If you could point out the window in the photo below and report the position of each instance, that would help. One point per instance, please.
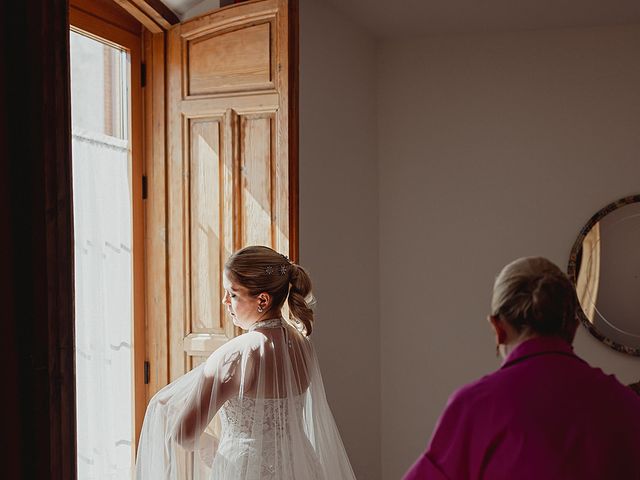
(108, 244)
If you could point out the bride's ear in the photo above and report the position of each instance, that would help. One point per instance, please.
(264, 301)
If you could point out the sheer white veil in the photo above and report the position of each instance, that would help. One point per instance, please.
(256, 409)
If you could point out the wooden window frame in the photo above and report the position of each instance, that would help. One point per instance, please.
(105, 22)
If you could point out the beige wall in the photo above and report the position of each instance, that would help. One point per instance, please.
(491, 147)
(339, 221)
(488, 147)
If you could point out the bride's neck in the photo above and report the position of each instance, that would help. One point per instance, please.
(270, 315)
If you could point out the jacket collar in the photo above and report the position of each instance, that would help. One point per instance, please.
(538, 346)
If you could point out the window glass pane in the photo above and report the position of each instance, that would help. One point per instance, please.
(99, 82)
(103, 260)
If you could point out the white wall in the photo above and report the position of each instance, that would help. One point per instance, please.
(339, 220)
(491, 147)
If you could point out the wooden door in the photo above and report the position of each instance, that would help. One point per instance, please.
(229, 182)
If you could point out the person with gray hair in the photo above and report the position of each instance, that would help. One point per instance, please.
(545, 414)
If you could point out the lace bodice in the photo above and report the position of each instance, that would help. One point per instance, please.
(271, 428)
(249, 417)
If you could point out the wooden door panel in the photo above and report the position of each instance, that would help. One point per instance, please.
(204, 224)
(232, 60)
(209, 177)
(228, 165)
(257, 165)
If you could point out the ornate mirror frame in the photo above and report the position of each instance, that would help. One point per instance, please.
(573, 267)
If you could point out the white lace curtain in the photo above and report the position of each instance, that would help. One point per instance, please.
(103, 288)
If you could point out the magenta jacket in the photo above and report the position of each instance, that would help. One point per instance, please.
(544, 415)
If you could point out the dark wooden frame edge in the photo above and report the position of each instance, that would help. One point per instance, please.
(572, 271)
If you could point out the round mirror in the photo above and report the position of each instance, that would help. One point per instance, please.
(604, 266)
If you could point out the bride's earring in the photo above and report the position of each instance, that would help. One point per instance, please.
(260, 309)
(497, 350)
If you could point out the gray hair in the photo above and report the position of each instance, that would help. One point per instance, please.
(533, 293)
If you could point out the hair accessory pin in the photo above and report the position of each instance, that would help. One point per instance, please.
(280, 269)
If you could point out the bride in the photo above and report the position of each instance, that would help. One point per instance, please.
(273, 421)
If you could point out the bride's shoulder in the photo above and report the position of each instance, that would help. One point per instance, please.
(243, 346)
(243, 349)
(246, 343)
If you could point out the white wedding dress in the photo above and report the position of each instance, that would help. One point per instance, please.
(278, 457)
(276, 426)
